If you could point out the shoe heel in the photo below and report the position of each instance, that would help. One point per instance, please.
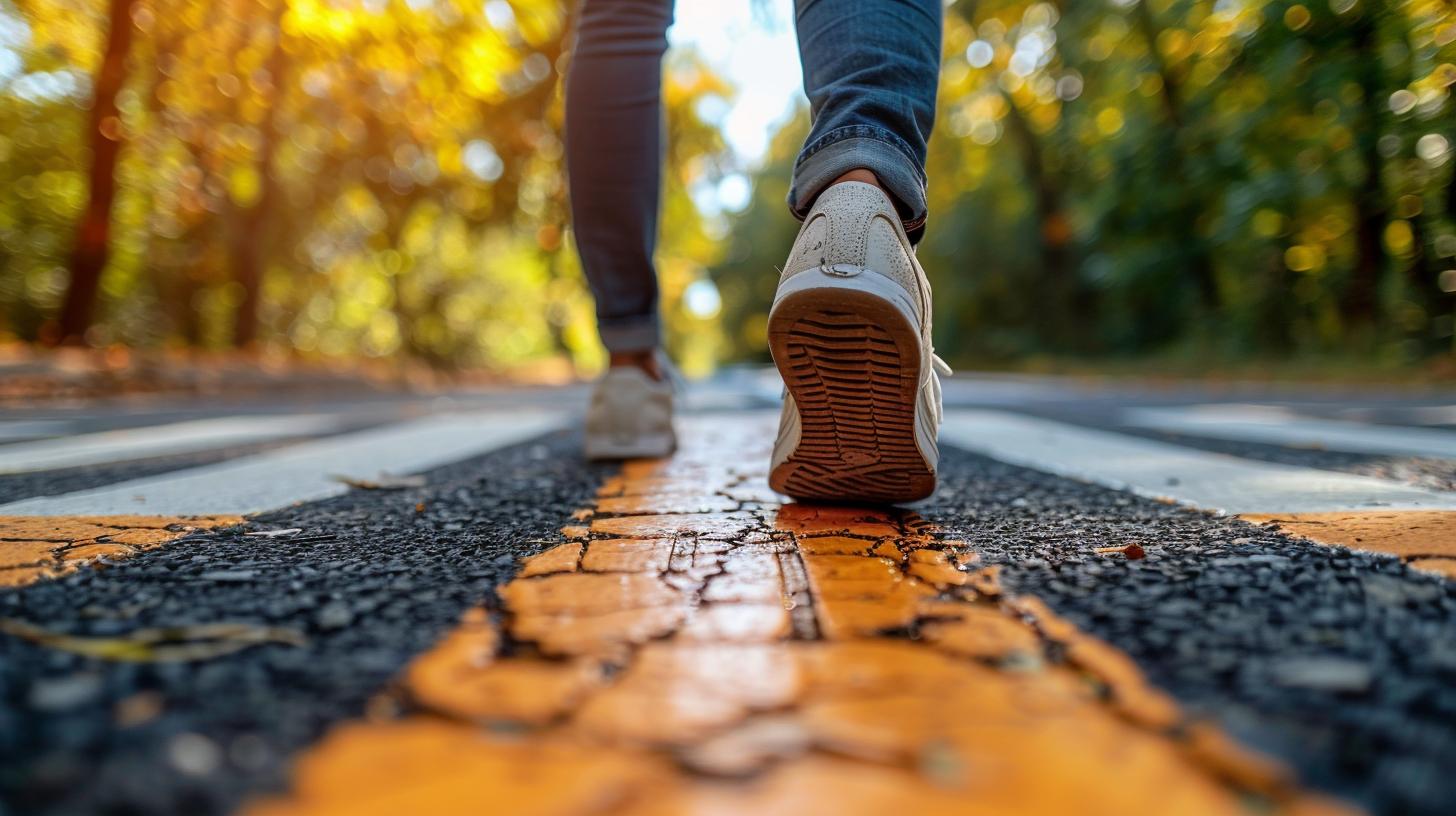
(851, 360)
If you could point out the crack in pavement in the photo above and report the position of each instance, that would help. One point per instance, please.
(1234, 619)
(663, 660)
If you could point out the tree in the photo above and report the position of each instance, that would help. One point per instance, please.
(251, 235)
(106, 137)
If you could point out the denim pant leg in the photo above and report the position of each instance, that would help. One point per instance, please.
(614, 156)
(871, 68)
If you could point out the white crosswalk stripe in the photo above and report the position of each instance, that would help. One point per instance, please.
(17, 429)
(306, 470)
(1280, 426)
(107, 447)
(1208, 480)
(303, 472)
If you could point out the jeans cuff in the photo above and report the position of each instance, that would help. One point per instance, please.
(861, 147)
(630, 333)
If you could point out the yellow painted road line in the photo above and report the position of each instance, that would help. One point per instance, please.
(1424, 540)
(677, 655)
(36, 547)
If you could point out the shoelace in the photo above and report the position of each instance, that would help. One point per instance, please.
(937, 366)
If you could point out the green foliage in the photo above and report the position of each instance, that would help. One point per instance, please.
(1213, 178)
(1220, 179)
(387, 176)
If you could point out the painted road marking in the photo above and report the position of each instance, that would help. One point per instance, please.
(157, 440)
(690, 646)
(746, 661)
(1327, 507)
(1159, 470)
(13, 430)
(1426, 541)
(36, 547)
(1431, 414)
(303, 472)
(1280, 426)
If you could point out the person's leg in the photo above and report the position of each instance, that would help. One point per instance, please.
(871, 68)
(614, 157)
(850, 325)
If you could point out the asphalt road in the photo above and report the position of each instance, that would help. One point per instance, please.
(1339, 663)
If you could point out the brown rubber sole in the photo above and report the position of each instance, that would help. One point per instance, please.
(851, 361)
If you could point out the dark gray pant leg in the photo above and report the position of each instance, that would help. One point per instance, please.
(614, 156)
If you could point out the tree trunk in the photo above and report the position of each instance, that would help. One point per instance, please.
(1423, 274)
(93, 234)
(1189, 209)
(1358, 303)
(250, 236)
(1058, 278)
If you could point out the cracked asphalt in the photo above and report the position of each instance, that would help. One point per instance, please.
(1340, 664)
(370, 581)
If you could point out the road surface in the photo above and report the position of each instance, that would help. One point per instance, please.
(1122, 599)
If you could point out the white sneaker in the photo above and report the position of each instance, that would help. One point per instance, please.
(850, 333)
(630, 416)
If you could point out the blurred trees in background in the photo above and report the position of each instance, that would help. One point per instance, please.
(373, 177)
(1216, 179)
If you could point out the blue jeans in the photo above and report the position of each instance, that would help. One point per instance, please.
(870, 72)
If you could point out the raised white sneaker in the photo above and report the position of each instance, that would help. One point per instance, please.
(850, 333)
(630, 416)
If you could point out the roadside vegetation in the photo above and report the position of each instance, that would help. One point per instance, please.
(1204, 181)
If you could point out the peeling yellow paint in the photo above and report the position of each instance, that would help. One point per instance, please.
(561, 558)
(37, 547)
(774, 660)
(1424, 539)
(627, 555)
(1440, 566)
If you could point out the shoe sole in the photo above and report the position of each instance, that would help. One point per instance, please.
(652, 446)
(851, 360)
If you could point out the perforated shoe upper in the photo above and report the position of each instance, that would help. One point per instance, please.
(855, 224)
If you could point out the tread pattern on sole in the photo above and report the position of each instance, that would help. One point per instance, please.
(852, 364)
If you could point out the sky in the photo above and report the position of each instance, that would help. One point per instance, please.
(751, 44)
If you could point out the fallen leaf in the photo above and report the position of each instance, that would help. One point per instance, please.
(160, 645)
(274, 533)
(1131, 551)
(384, 481)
